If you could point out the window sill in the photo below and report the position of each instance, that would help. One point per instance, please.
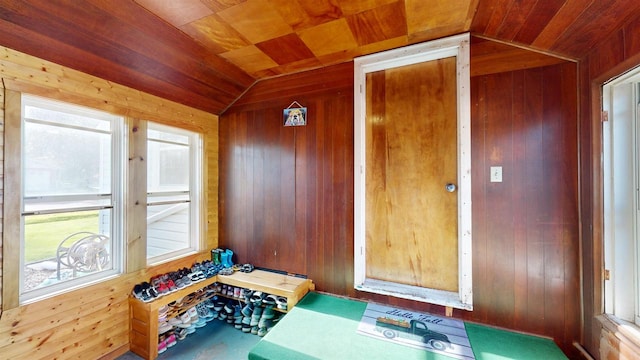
(627, 333)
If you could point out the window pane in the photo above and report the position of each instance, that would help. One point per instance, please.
(168, 167)
(60, 160)
(170, 206)
(153, 134)
(167, 229)
(76, 116)
(65, 246)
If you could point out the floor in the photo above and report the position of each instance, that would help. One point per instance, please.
(218, 340)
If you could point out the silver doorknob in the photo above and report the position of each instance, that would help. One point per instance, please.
(450, 187)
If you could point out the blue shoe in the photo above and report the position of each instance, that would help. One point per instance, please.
(224, 258)
(227, 258)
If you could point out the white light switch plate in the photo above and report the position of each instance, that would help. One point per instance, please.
(496, 174)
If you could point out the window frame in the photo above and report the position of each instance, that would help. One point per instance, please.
(14, 214)
(621, 211)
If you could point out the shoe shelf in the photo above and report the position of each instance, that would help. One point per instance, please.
(143, 331)
(144, 315)
(291, 287)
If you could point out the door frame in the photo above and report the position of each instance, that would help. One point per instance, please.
(454, 46)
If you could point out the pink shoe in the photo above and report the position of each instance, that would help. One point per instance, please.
(162, 346)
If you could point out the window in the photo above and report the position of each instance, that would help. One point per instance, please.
(621, 167)
(173, 206)
(70, 198)
(66, 180)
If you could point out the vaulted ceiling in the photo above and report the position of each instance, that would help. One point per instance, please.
(207, 53)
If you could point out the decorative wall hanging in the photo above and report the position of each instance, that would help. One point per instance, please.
(295, 116)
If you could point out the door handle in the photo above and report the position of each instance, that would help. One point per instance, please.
(450, 187)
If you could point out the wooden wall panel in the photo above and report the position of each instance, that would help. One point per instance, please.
(526, 273)
(286, 193)
(526, 244)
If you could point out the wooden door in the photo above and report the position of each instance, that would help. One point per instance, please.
(411, 154)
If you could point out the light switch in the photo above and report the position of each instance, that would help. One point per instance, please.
(496, 174)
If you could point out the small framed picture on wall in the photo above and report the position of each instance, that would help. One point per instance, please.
(295, 116)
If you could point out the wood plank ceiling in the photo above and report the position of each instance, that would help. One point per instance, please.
(206, 53)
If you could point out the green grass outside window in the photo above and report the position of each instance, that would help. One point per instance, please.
(43, 233)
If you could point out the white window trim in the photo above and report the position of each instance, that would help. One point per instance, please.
(455, 46)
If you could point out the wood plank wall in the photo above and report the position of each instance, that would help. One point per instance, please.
(616, 55)
(286, 197)
(525, 229)
(91, 322)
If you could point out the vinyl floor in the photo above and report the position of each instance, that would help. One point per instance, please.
(218, 340)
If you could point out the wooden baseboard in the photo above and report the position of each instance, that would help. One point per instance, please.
(116, 353)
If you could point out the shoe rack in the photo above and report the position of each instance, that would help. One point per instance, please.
(143, 335)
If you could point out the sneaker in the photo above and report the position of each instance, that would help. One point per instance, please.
(164, 327)
(226, 271)
(246, 328)
(237, 313)
(262, 332)
(171, 340)
(268, 313)
(200, 323)
(162, 346)
(254, 330)
(219, 305)
(246, 295)
(282, 302)
(185, 318)
(193, 313)
(270, 300)
(256, 298)
(247, 268)
(139, 293)
(181, 334)
(247, 310)
(255, 317)
(171, 285)
(174, 321)
(229, 308)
